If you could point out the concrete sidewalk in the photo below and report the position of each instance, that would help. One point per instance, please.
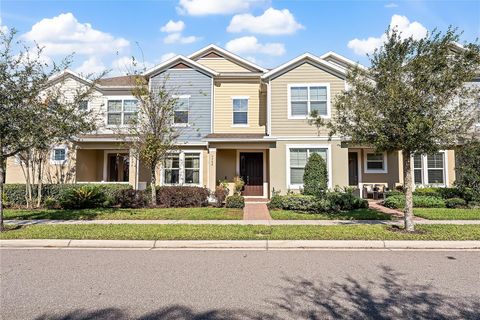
(239, 244)
(241, 222)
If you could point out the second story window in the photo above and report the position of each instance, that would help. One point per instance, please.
(305, 98)
(121, 111)
(240, 110)
(180, 113)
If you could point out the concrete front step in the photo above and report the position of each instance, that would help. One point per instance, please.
(256, 200)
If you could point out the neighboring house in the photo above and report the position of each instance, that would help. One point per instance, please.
(238, 119)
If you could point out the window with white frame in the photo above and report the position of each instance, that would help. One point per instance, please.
(429, 169)
(182, 168)
(298, 158)
(192, 168)
(305, 98)
(418, 169)
(375, 162)
(121, 111)
(83, 105)
(171, 171)
(180, 112)
(436, 168)
(240, 110)
(58, 155)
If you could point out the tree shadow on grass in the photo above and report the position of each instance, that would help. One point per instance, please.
(42, 214)
(390, 296)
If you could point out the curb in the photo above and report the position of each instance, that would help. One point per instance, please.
(239, 244)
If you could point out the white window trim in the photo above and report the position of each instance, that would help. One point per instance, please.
(52, 154)
(425, 181)
(123, 98)
(385, 162)
(308, 85)
(308, 146)
(240, 125)
(181, 163)
(182, 96)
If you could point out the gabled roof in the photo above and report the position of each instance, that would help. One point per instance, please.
(68, 72)
(228, 54)
(120, 81)
(176, 60)
(341, 59)
(306, 57)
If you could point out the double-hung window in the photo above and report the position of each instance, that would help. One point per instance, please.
(180, 112)
(171, 173)
(182, 168)
(121, 111)
(240, 110)
(375, 162)
(58, 155)
(429, 169)
(306, 98)
(83, 105)
(298, 158)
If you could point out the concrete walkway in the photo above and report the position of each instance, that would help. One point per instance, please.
(268, 222)
(256, 210)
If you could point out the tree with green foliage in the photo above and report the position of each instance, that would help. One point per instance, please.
(315, 177)
(412, 99)
(468, 167)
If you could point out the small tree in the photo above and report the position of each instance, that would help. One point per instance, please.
(412, 99)
(468, 167)
(315, 178)
(152, 135)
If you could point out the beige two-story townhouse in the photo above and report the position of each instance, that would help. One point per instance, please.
(237, 119)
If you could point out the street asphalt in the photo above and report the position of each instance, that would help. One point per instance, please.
(81, 284)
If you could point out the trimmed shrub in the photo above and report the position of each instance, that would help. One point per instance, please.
(182, 196)
(15, 193)
(393, 193)
(431, 192)
(51, 203)
(315, 177)
(86, 196)
(455, 203)
(346, 201)
(276, 202)
(398, 202)
(474, 205)
(130, 198)
(221, 192)
(330, 202)
(235, 201)
(467, 169)
(298, 202)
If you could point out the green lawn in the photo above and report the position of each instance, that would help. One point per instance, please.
(447, 214)
(238, 232)
(359, 214)
(205, 213)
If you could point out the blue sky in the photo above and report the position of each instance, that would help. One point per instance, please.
(104, 34)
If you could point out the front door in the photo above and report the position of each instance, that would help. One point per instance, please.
(251, 171)
(353, 168)
(118, 166)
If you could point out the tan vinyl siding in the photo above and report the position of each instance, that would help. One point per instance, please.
(221, 65)
(305, 73)
(223, 115)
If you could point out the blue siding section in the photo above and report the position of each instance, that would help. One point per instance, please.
(199, 87)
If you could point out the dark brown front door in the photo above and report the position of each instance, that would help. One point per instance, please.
(353, 168)
(251, 171)
(118, 167)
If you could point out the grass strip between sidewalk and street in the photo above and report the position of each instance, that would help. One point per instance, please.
(203, 213)
(240, 232)
(359, 214)
(447, 213)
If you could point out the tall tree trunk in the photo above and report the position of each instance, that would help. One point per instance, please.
(2, 177)
(39, 182)
(153, 182)
(408, 186)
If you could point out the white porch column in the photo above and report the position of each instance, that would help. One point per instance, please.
(212, 168)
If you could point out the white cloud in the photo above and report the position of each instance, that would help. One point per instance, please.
(91, 65)
(64, 34)
(3, 29)
(391, 5)
(127, 65)
(167, 56)
(210, 7)
(179, 38)
(250, 44)
(272, 22)
(173, 26)
(400, 23)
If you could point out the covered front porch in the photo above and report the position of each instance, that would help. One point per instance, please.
(246, 159)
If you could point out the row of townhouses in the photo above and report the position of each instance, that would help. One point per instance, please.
(237, 119)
